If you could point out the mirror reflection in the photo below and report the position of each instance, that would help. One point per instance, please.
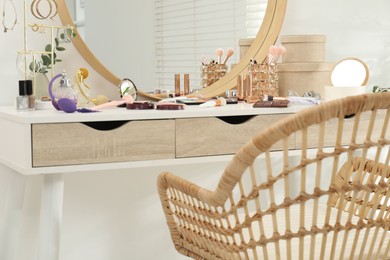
(152, 40)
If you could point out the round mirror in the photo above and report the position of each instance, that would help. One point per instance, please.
(266, 36)
(350, 72)
(127, 87)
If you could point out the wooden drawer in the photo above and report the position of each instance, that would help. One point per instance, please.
(219, 136)
(102, 142)
(331, 127)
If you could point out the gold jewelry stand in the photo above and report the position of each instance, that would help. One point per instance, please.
(37, 27)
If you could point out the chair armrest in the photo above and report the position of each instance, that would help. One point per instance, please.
(375, 184)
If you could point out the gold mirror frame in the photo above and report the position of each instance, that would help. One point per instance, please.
(267, 35)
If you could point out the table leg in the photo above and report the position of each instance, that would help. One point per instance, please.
(51, 217)
(12, 189)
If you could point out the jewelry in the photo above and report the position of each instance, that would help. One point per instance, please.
(65, 34)
(6, 29)
(55, 9)
(36, 10)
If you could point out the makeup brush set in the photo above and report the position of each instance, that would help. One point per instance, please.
(213, 70)
(263, 77)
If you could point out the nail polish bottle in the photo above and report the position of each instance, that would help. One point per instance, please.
(30, 94)
(22, 99)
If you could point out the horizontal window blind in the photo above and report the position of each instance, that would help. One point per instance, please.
(188, 30)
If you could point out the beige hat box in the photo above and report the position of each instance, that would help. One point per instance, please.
(303, 66)
(303, 48)
(303, 77)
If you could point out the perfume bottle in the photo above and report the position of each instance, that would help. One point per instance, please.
(64, 90)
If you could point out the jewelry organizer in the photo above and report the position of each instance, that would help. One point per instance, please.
(27, 62)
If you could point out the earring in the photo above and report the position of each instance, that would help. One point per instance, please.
(36, 9)
(65, 34)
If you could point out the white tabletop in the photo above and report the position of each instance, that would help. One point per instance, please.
(115, 114)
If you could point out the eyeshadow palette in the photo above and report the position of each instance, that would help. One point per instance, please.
(140, 105)
(169, 106)
(275, 103)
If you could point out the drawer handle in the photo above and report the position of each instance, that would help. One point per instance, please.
(105, 126)
(235, 120)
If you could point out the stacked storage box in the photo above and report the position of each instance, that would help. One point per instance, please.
(303, 66)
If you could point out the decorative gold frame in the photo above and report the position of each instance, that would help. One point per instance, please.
(267, 35)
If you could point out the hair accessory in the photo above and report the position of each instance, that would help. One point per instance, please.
(6, 29)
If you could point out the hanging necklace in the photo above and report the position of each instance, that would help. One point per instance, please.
(6, 29)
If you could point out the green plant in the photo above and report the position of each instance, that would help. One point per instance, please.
(377, 89)
(47, 59)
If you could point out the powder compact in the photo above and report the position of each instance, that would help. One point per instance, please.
(169, 106)
(140, 105)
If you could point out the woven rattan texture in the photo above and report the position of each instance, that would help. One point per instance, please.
(329, 200)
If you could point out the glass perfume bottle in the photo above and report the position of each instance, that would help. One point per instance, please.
(63, 90)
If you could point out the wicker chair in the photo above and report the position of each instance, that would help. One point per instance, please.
(327, 199)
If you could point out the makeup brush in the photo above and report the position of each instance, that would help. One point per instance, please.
(272, 53)
(229, 53)
(219, 52)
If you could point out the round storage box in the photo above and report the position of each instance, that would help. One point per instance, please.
(303, 77)
(332, 92)
(303, 48)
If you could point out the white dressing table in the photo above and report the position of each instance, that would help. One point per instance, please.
(54, 143)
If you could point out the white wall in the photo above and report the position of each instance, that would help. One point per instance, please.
(117, 215)
(354, 28)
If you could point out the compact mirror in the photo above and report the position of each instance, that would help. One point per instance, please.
(127, 87)
(350, 72)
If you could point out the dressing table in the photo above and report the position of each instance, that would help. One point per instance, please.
(54, 143)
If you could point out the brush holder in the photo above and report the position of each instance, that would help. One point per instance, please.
(263, 79)
(211, 73)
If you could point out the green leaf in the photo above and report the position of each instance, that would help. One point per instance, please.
(60, 48)
(62, 36)
(31, 66)
(46, 60)
(48, 48)
(58, 60)
(57, 42)
(375, 89)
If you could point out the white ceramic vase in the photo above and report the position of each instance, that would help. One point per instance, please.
(41, 85)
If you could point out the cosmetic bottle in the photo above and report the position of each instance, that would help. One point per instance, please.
(22, 99)
(30, 94)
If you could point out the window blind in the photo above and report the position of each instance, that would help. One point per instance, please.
(188, 30)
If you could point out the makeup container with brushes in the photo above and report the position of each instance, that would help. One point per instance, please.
(211, 73)
(263, 79)
(214, 70)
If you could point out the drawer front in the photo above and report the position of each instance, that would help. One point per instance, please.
(331, 127)
(78, 143)
(219, 136)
